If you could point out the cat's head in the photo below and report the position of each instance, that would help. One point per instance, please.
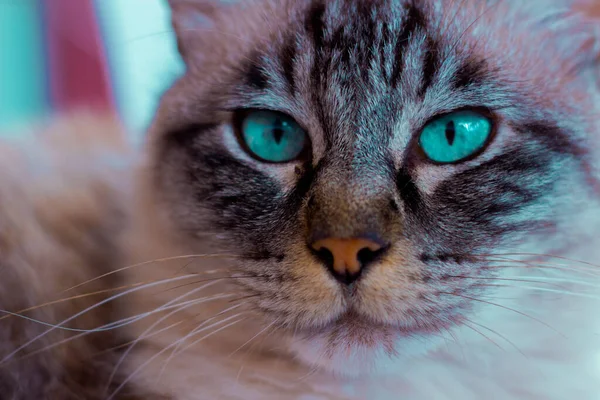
(363, 159)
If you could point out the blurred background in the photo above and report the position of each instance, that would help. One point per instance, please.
(56, 55)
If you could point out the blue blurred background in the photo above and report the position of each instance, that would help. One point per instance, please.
(45, 54)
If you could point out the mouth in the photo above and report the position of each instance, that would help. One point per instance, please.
(359, 329)
(352, 324)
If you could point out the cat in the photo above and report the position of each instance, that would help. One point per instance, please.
(338, 200)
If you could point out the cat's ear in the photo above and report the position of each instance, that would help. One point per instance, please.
(196, 23)
(214, 31)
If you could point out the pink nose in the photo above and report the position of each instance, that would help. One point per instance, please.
(346, 257)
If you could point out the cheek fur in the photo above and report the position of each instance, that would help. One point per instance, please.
(296, 291)
(392, 286)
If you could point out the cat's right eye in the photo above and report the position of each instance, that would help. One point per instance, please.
(271, 136)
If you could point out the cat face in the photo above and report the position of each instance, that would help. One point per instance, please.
(363, 159)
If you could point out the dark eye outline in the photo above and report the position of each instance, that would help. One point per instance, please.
(483, 111)
(238, 119)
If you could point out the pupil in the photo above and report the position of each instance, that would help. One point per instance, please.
(277, 131)
(450, 132)
(277, 134)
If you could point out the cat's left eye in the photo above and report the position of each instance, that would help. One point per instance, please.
(456, 136)
(272, 136)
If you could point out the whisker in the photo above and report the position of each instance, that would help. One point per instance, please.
(499, 335)
(37, 321)
(313, 370)
(134, 373)
(175, 351)
(530, 264)
(158, 260)
(99, 352)
(545, 279)
(79, 296)
(208, 280)
(577, 265)
(483, 335)
(237, 378)
(138, 317)
(142, 336)
(114, 325)
(458, 8)
(561, 292)
(166, 328)
(501, 279)
(249, 351)
(212, 333)
(545, 256)
(203, 323)
(253, 337)
(505, 308)
(187, 264)
(453, 340)
(110, 326)
(468, 28)
(29, 342)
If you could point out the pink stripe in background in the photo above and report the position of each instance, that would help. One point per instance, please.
(78, 69)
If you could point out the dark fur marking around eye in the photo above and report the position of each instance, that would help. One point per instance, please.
(480, 198)
(551, 135)
(413, 21)
(301, 190)
(287, 58)
(472, 72)
(430, 65)
(470, 210)
(245, 201)
(409, 193)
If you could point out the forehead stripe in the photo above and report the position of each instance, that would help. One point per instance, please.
(414, 20)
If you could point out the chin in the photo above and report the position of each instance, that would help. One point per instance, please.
(355, 348)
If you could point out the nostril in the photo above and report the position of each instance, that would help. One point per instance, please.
(367, 256)
(326, 256)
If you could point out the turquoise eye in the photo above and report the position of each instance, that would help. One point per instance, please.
(272, 136)
(455, 136)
